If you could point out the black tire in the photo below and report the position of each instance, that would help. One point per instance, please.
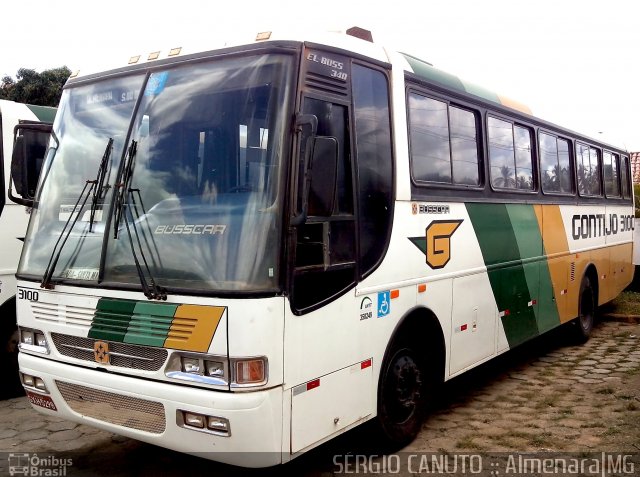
(587, 306)
(9, 364)
(401, 396)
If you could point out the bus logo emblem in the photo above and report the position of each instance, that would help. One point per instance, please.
(101, 352)
(439, 242)
(436, 244)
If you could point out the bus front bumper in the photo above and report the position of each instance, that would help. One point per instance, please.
(154, 412)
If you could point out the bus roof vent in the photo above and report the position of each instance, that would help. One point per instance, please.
(360, 33)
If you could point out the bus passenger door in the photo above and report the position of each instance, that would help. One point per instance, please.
(320, 347)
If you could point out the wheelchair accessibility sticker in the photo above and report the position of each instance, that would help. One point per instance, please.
(384, 304)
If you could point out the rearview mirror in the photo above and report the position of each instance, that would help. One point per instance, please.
(29, 149)
(323, 171)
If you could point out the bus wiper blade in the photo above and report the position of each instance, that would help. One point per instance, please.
(123, 186)
(122, 209)
(148, 234)
(101, 189)
(151, 290)
(55, 254)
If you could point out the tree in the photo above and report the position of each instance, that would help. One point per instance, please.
(42, 89)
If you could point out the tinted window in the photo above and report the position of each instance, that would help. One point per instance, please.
(332, 122)
(624, 177)
(564, 164)
(554, 164)
(444, 145)
(587, 159)
(611, 185)
(501, 154)
(374, 160)
(524, 168)
(464, 146)
(429, 134)
(510, 157)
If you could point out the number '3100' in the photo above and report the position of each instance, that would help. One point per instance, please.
(30, 295)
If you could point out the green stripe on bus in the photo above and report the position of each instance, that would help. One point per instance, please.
(424, 69)
(524, 224)
(548, 316)
(111, 319)
(427, 71)
(481, 92)
(528, 234)
(46, 114)
(501, 252)
(150, 323)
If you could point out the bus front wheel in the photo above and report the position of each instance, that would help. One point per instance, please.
(401, 396)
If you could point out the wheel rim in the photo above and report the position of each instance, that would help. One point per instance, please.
(403, 387)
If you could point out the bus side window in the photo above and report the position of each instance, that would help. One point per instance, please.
(588, 166)
(510, 155)
(374, 162)
(624, 177)
(611, 167)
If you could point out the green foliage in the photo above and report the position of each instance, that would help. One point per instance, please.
(636, 193)
(42, 89)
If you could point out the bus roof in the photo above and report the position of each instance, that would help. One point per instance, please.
(333, 39)
(336, 39)
(429, 72)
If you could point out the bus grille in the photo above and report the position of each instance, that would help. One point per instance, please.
(67, 314)
(131, 412)
(121, 354)
(326, 85)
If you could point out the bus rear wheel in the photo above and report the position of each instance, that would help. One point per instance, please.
(583, 324)
(401, 396)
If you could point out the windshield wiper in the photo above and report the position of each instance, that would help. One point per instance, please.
(55, 254)
(101, 189)
(122, 209)
(84, 196)
(148, 235)
(123, 186)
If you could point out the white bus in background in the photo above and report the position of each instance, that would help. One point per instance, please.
(32, 125)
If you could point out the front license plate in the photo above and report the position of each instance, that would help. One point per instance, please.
(42, 401)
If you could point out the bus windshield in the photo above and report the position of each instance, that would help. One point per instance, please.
(188, 181)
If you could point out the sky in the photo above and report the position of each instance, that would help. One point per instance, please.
(574, 63)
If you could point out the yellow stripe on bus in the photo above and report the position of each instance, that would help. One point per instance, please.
(193, 327)
(567, 269)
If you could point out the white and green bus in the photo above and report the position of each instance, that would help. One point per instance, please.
(245, 252)
(28, 126)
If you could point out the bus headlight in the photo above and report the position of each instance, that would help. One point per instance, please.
(33, 340)
(202, 369)
(217, 371)
(191, 365)
(33, 382)
(200, 422)
(214, 368)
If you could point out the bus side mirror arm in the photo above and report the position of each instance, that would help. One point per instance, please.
(306, 127)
